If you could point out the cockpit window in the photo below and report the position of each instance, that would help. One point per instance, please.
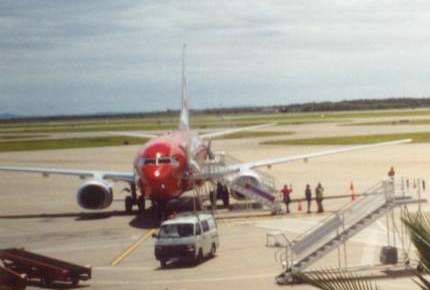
(164, 160)
(147, 161)
(157, 161)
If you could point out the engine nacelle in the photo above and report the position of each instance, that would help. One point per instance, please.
(95, 194)
(244, 178)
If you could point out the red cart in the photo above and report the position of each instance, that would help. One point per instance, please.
(11, 280)
(46, 269)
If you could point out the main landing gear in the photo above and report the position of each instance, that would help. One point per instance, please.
(221, 192)
(133, 199)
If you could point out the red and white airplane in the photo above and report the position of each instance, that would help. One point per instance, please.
(169, 165)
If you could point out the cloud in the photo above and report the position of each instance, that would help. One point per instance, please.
(98, 56)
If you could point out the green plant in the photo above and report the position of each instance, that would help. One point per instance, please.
(418, 226)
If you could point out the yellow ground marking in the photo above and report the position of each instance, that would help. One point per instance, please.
(133, 247)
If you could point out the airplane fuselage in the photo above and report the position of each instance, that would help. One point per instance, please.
(161, 166)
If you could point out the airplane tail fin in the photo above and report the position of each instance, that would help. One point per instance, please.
(184, 120)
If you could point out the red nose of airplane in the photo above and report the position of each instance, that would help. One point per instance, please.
(160, 171)
(160, 180)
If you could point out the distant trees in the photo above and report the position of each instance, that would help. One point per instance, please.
(351, 105)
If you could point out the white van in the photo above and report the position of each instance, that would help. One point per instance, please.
(189, 237)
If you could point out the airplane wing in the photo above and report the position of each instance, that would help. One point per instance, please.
(232, 131)
(135, 134)
(305, 157)
(269, 162)
(110, 175)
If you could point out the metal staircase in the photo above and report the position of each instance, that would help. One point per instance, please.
(265, 193)
(262, 194)
(333, 231)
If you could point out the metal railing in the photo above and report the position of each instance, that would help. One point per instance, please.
(331, 231)
(265, 193)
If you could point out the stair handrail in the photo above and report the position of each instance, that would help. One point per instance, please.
(369, 192)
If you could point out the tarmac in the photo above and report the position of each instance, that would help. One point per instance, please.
(42, 215)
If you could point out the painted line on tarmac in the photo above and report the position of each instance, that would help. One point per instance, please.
(132, 248)
(119, 269)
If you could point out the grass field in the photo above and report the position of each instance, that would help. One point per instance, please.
(351, 140)
(51, 144)
(392, 123)
(139, 126)
(198, 121)
(68, 143)
(254, 134)
(20, 136)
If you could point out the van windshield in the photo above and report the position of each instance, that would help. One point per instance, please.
(176, 231)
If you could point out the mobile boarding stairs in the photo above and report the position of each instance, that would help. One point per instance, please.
(336, 229)
(265, 193)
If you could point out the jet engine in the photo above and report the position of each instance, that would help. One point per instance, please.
(95, 194)
(243, 179)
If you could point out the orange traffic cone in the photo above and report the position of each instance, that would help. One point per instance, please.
(299, 207)
(351, 188)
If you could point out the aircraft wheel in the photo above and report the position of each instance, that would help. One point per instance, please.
(141, 204)
(226, 198)
(161, 211)
(163, 264)
(128, 204)
(213, 199)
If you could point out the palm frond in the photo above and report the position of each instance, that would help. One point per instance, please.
(422, 282)
(418, 226)
(329, 280)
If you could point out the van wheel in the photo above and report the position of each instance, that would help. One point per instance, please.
(213, 251)
(199, 257)
(163, 264)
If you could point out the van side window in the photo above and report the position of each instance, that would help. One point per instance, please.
(205, 226)
(198, 230)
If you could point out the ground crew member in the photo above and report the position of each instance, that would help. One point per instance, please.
(391, 173)
(319, 196)
(308, 196)
(287, 199)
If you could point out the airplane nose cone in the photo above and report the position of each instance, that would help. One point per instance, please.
(160, 181)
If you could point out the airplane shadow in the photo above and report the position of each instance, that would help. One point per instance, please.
(147, 220)
(79, 216)
(150, 218)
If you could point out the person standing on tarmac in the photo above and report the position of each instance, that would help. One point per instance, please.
(391, 173)
(308, 196)
(319, 196)
(287, 199)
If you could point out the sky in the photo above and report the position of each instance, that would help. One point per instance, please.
(84, 57)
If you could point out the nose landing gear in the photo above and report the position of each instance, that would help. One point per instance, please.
(133, 199)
